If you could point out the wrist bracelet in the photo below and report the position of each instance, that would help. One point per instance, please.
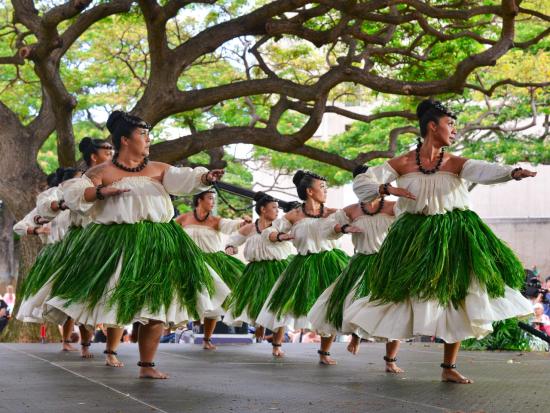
(205, 180)
(386, 190)
(34, 230)
(514, 171)
(343, 228)
(279, 236)
(98, 194)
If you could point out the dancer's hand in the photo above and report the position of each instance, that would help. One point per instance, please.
(109, 191)
(523, 173)
(280, 236)
(246, 220)
(350, 229)
(231, 250)
(400, 192)
(212, 176)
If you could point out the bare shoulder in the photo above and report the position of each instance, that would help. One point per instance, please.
(455, 163)
(183, 218)
(330, 211)
(400, 163)
(292, 215)
(97, 172)
(159, 166)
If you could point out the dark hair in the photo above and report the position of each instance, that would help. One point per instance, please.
(262, 199)
(123, 124)
(64, 174)
(431, 111)
(304, 180)
(201, 196)
(360, 169)
(89, 147)
(51, 179)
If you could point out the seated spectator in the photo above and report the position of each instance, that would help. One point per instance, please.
(4, 314)
(9, 297)
(311, 337)
(541, 321)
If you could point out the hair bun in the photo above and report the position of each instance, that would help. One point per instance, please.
(86, 145)
(298, 176)
(360, 169)
(113, 119)
(258, 196)
(423, 107)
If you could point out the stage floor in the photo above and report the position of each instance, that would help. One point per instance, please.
(245, 378)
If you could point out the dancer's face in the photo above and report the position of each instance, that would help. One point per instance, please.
(318, 191)
(444, 131)
(138, 142)
(270, 211)
(207, 202)
(103, 154)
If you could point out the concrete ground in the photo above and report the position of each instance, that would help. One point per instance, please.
(40, 378)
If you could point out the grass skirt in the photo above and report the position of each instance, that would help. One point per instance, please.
(35, 288)
(299, 286)
(252, 289)
(326, 315)
(229, 268)
(117, 274)
(445, 275)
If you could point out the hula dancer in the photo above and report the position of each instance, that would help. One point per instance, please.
(318, 263)
(373, 220)
(133, 263)
(35, 289)
(266, 262)
(440, 271)
(206, 230)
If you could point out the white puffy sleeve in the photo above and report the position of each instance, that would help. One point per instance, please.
(229, 226)
(236, 240)
(279, 225)
(44, 202)
(73, 194)
(327, 224)
(20, 228)
(183, 181)
(366, 185)
(487, 173)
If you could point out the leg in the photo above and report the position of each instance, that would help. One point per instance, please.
(67, 330)
(85, 342)
(324, 352)
(392, 347)
(449, 373)
(353, 346)
(209, 326)
(114, 335)
(277, 342)
(148, 342)
(259, 333)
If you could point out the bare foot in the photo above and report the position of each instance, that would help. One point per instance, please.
(112, 361)
(207, 345)
(85, 352)
(277, 352)
(327, 360)
(68, 347)
(151, 373)
(353, 346)
(393, 368)
(453, 376)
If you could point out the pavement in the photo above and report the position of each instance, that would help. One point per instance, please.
(245, 378)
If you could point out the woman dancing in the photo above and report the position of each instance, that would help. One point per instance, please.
(266, 261)
(440, 271)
